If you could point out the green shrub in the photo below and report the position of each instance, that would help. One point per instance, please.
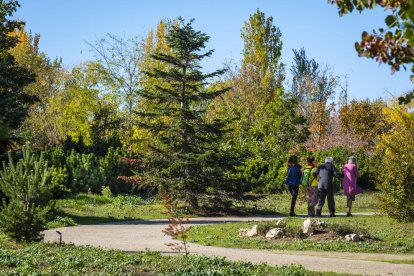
(80, 172)
(55, 156)
(59, 180)
(24, 224)
(113, 167)
(127, 201)
(397, 171)
(27, 185)
(264, 175)
(84, 199)
(107, 192)
(28, 181)
(368, 164)
(61, 222)
(85, 173)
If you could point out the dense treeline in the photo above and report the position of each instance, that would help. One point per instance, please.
(143, 117)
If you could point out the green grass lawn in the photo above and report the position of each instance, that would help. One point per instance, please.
(411, 262)
(40, 258)
(387, 236)
(280, 204)
(92, 209)
(52, 259)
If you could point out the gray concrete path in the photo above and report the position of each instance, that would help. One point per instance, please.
(136, 236)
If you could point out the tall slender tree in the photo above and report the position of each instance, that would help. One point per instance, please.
(266, 125)
(185, 159)
(313, 87)
(261, 71)
(118, 65)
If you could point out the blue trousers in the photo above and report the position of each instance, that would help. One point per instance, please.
(293, 190)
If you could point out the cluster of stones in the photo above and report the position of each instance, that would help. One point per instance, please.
(272, 234)
(308, 228)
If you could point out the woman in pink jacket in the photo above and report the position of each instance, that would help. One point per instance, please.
(349, 182)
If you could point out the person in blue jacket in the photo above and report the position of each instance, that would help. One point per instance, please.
(294, 174)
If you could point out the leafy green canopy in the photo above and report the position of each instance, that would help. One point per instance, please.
(397, 148)
(186, 157)
(265, 125)
(14, 103)
(393, 45)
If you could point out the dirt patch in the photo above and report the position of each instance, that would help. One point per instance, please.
(320, 235)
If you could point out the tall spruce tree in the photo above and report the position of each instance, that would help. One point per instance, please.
(186, 159)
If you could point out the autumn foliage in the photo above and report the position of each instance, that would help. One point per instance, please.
(205, 139)
(177, 227)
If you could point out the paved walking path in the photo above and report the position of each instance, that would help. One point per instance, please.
(135, 236)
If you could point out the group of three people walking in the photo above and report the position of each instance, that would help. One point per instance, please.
(319, 184)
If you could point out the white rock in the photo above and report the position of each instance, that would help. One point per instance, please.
(252, 232)
(352, 238)
(307, 227)
(274, 233)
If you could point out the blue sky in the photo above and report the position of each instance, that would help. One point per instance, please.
(66, 25)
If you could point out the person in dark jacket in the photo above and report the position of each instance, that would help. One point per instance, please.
(326, 174)
(294, 174)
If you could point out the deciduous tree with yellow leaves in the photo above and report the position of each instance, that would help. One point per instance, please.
(396, 179)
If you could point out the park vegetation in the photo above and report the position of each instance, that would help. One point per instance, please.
(45, 259)
(143, 119)
(381, 235)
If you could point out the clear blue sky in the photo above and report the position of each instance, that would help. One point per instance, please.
(313, 24)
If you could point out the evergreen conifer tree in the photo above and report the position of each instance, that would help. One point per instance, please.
(28, 190)
(187, 159)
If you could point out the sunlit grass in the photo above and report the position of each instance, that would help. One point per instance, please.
(50, 259)
(280, 204)
(92, 209)
(387, 236)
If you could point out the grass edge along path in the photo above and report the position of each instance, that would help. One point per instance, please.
(146, 235)
(323, 264)
(84, 209)
(387, 236)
